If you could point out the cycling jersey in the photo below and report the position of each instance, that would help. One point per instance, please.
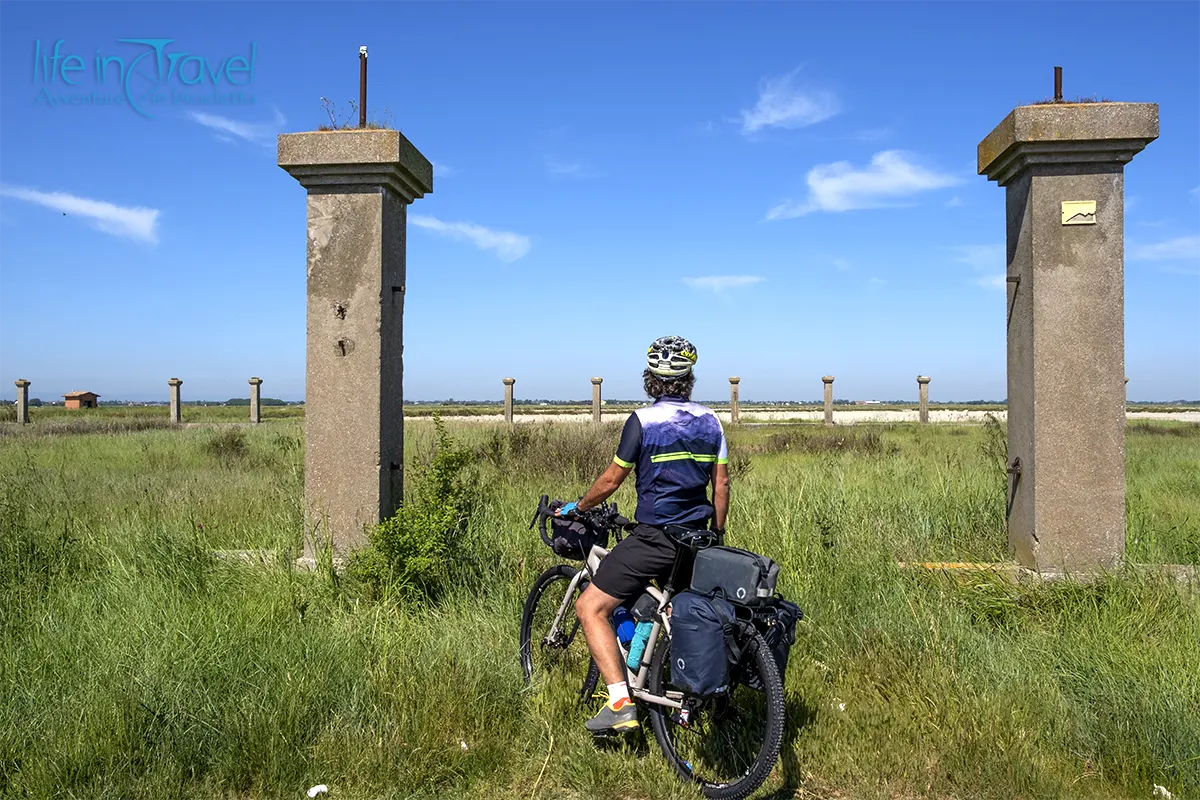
(674, 445)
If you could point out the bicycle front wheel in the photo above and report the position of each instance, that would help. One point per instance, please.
(548, 638)
(728, 745)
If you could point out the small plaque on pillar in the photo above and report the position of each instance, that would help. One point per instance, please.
(1079, 212)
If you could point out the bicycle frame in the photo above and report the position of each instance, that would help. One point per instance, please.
(637, 682)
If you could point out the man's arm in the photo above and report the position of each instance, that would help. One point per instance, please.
(720, 481)
(605, 485)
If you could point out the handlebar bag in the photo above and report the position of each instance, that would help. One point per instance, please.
(739, 576)
(573, 538)
(699, 657)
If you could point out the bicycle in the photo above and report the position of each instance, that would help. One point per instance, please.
(728, 744)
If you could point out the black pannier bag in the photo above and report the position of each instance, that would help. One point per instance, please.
(699, 627)
(739, 576)
(776, 620)
(572, 538)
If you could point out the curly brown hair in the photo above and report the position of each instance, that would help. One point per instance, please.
(657, 387)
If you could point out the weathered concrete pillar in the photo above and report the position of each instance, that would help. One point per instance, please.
(923, 386)
(1062, 166)
(175, 383)
(359, 184)
(733, 400)
(255, 400)
(508, 399)
(828, 381)
(22, 400)
(596, 399)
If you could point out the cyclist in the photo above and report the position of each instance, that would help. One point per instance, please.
(678, 447)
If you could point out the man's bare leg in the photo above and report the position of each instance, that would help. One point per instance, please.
(594, 609)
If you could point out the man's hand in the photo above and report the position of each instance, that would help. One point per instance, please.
(568, 510)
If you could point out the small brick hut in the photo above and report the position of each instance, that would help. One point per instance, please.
(81, 399)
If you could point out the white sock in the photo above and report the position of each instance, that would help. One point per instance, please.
(617, 692)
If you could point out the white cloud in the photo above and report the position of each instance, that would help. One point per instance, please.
(568, 169)
(1181, 248)
(131, 222)
(721, 283)
(442, 170)
(981, 257)
(991, 281)
(891, 175)
(783, 105)
(257, 132)
(507, 246)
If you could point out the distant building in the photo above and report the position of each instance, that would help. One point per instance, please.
(81, 400)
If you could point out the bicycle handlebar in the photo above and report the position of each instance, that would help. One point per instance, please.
(604, 515)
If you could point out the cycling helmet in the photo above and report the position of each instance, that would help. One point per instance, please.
(671, 357)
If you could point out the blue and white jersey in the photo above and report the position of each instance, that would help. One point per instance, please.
(674, 445)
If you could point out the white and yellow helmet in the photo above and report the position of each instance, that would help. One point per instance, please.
(671, 357)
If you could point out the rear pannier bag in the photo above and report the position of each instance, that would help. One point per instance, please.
(699, 661)
(739, 576)
(776, 621)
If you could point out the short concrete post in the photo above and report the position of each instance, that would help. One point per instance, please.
(22, 400)
(175, 383)
(828, 381)
(359, 183)
(255, 400)
(508, 399)
(733, 400)
(596, 399)
(923, 413)
(1062, 166)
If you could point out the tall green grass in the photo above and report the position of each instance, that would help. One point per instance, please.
(134, 664)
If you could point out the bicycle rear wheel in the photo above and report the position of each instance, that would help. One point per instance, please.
(541, 651)
(727, 745)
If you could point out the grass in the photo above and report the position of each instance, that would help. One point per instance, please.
(133, 664)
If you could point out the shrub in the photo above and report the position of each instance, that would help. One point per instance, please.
(228, 446)
(418, 552)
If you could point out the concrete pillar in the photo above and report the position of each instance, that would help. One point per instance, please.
(255, 400)
(923, 386)
(508, 399)
(596, 399)
(828, 381)
(22, 400)
(175, 383)
(733, 400)
(359, 184)
(1062, 166)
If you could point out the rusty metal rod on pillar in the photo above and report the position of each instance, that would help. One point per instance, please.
(362, 86)
(1058, 84)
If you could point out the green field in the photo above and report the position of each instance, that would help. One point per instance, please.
(134, 664)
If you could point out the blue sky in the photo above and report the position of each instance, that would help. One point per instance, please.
(791, 186)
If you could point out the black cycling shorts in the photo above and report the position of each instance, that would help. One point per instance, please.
(645, 554)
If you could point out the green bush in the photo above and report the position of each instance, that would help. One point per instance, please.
(418, 552)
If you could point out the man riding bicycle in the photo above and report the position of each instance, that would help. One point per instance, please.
(678, 448)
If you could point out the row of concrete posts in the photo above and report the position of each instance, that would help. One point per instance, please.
(734, 410)
(175, 413)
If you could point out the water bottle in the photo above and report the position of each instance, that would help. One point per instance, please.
(636, 648)
(625, 626)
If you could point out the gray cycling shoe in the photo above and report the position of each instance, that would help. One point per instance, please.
(609, 721)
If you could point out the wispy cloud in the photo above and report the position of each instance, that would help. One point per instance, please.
(891, 176)
(1181, 248)
(131, 222)
(983, 258)
(876, 283)
(782, 104)
(442, 170)
(991, 281)
(955, 202)
(842, 265)
(722, 283)
(507, 246)
(561, 168)
(257, 132)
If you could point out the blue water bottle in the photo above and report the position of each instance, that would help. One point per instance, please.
(623, 622)
(640, 637)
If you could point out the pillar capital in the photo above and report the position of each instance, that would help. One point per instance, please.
(256, 381)
(1066, 133)
(597, 381)
(509, 381)
(735, 380)
(827, 379)
(923, 379)
(348, 160)
(21, 383)
(175, 382)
